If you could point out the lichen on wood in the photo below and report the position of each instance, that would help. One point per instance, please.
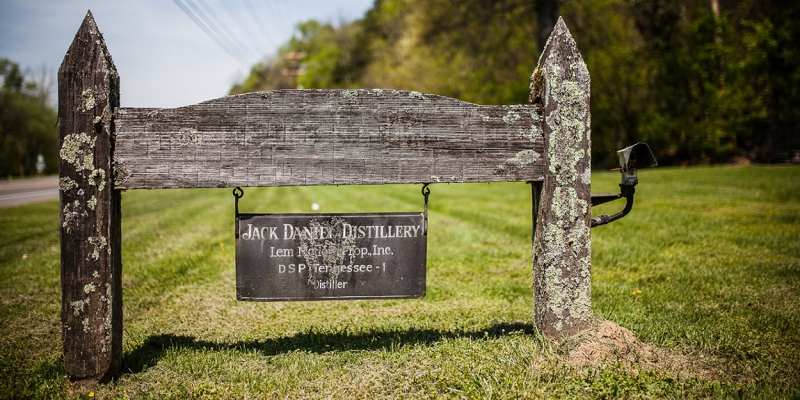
(351, 96)
(562, 240)
(78, 151)
(65, 184)
(88, 100)
(416, 95)
(121, 172)
(88, 93)
(523, 158)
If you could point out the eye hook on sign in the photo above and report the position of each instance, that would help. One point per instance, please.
(238, 193)
(425, 192)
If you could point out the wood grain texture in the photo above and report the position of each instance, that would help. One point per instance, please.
(326, 137)
(562, 240)
(91, 265)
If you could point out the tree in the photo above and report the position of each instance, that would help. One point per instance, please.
(767, 67)
(27, 124)
(699, 80)
(547, 13)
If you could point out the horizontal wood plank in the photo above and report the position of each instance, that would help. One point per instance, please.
(326, 137)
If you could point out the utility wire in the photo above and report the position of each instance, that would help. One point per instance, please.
(236, 13)
(220, 26)
(259, 22)
(280, 13)
(206, 30)
(283, 11)
(213, 27)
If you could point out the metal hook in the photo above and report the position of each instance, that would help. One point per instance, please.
(425, 192)
(238, 193)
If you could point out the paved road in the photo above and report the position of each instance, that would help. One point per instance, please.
(15, 193)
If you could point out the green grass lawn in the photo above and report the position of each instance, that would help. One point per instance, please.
(712, 253)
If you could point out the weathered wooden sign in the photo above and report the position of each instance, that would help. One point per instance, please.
(309, 138)
(282, 257)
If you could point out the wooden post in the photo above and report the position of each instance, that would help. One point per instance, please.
(562, 241)
(91, 264)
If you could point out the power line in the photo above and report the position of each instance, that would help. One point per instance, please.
(283, 10)
(206, 30)
(212, 27)
(246, 22)
(230, 40)
(220, 25)
(259, 22)
(288, 15)
(282, 15)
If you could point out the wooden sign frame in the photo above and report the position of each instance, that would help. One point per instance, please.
(313, 137)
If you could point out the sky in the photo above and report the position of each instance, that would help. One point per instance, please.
(163, 57)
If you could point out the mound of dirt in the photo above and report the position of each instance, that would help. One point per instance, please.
(610, 342)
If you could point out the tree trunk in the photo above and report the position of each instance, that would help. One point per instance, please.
(546, 17)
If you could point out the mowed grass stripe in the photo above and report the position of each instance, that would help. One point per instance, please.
(177, 235)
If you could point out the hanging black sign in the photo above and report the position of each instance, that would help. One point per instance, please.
(282, 257)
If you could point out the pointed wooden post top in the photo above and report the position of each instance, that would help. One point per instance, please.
(562, 59)
(560, 38)
(87, 45)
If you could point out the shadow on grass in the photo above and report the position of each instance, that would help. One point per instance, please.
(154, 348)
